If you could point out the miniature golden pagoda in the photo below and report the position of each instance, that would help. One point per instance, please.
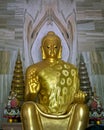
(84, 78)
(18, 79)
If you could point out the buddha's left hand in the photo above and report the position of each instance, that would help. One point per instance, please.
(80, 97)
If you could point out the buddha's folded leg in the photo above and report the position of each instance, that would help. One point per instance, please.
(29, 117)
(80, 117)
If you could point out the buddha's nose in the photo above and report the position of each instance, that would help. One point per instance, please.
(52, 51)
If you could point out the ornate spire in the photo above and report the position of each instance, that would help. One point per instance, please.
(84, 78)
(18, 79)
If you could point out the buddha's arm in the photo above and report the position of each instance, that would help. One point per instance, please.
(80, 96)
(32, 85)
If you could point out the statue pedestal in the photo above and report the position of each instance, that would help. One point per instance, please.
(12, 126)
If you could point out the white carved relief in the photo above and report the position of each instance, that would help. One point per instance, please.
(65, 7)
(27, 32)
(50, 17)
(34, 7)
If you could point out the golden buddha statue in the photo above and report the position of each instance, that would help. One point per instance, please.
(52, 96)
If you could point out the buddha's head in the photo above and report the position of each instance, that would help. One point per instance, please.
(51, 46)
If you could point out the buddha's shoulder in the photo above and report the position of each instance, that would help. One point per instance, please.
(34, 67)
(68, 65)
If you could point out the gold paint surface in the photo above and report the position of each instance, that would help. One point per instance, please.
(52, 94)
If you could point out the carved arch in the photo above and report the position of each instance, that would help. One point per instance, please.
(32, 32)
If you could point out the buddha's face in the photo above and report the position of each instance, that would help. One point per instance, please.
(51, 46)
(51, 49)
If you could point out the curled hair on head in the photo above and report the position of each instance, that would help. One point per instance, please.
(51, 36)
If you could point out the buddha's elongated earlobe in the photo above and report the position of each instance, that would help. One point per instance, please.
(60, 53)
(43, 53)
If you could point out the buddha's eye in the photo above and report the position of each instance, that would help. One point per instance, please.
(55, 47)
(48, 47)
